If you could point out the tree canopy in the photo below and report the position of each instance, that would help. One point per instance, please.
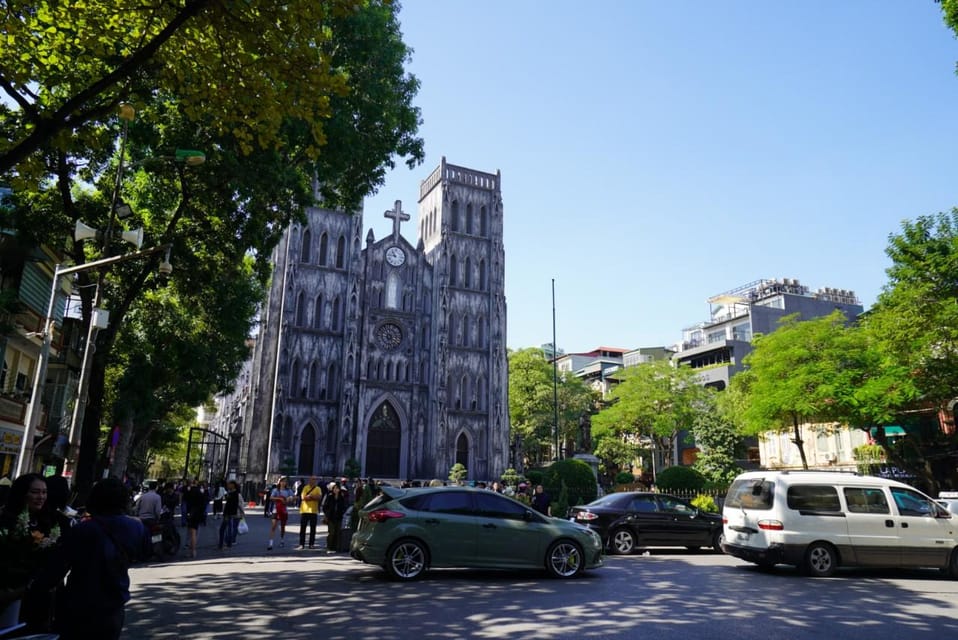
(532, 403)
(652, 402)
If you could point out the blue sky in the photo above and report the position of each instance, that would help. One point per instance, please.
(654, 154)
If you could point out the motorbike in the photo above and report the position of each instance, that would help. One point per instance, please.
(164, 537)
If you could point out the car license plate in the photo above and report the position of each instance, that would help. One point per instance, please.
(157, 538)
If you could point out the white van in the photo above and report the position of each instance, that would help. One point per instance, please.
(820, 520)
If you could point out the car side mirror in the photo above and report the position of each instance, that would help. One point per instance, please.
(527, 515)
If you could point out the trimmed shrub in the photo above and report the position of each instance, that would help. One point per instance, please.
(704, 503)
(624, 477)
(535, 476)
(679, 478)
(575, 477)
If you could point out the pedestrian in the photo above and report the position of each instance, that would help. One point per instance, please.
(280, 497)
(27, 516)
(218, 494)
(308, 512)
(96, 553)
(334, 506)
(541, 502)
(232, 512)
(196, 501)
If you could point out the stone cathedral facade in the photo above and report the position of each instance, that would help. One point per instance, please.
(386, 352)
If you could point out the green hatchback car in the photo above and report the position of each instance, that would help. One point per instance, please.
(407, 531)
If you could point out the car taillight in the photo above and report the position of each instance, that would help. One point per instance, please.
(586, 515)
(724, 520)
(771, 525)
(381, 515)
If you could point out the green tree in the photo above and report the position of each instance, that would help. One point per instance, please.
(717, 439)
(653, 402)
(532, 403)
(458, 473)
(804, 371)
(224, 218)
(915, 325)
(66, 65)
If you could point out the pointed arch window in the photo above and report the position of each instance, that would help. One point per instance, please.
(383, 442)
(467, 273)
(341, 252)
(454, 216)
(330, 434)
(480, 401)
(318, 312)
(483, 222)
(462, 450)
(482, 274)
(314, 380)
(469, 218)
(306, 246)
(465, 330)
(481, 332)
(335, 321)
(392, 290)
(453, 270)
(296, 380)
(300, 310)
(452, 330)
(332, 382)
(323, 248)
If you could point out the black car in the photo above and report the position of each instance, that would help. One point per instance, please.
(632, 519)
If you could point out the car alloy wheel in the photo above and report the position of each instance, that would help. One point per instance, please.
(820, 560)
(406, 560)
(623, 541)
(564, 559)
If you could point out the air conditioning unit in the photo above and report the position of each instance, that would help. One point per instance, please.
(831, 458)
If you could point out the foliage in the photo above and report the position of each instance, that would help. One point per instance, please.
(510, 477)
(535, 476)
(705, 503)
(624, 477)
(458, 473)
(868, 457)
(817, 370)
(352, 468)
(67, 64)
(678, 477)
(717, 439)
(652, 403)
(532, 393)
(573, 475)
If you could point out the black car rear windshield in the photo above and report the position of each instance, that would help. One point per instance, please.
(751, 493)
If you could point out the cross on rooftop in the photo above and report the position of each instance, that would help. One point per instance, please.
(398, 217)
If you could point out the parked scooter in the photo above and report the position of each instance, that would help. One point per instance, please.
(164, 537)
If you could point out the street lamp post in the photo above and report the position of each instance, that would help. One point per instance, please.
(30, 424)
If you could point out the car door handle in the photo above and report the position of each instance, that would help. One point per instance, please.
(488, 525)
(431, 520)
(904, 525)
(889, 523)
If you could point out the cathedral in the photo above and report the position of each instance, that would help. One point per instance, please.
(383, 352)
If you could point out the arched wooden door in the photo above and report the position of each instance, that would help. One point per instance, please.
(382, 443)
(307, 451)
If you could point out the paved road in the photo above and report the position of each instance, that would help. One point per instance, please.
(668, 594)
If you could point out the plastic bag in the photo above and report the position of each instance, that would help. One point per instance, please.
(243, 527)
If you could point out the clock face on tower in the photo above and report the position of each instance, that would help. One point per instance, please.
(395, 256)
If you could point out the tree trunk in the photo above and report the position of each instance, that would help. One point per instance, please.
(121, 457)
(797, 439)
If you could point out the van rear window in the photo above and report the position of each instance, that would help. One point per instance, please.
(751, 493)
(813, 497)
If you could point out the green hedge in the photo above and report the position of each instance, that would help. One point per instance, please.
(580, 484)
(679, 477)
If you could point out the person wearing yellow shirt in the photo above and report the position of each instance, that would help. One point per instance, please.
(310, 496)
